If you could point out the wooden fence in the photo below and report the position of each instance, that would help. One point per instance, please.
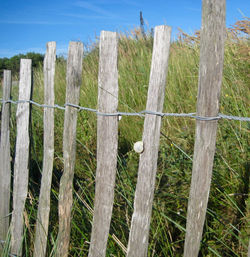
(210, 77)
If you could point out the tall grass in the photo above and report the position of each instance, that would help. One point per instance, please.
(226, 231)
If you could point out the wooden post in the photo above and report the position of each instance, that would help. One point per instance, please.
(107, 143)
(48, 153)
(5, 170)
(210, 78)
(139, 232)
(74, 80)
(21, 172)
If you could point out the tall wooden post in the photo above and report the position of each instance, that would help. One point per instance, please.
(210, 79)
(107, 143)
(5, 171)
(21, 171)
(144, 194)
(74, 81)
(42, 222)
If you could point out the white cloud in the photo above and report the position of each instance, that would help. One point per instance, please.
(94, 8)
(34, 22)
(82, 16)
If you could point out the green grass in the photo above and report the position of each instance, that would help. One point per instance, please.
(225, 232)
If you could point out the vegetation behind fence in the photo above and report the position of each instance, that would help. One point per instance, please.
(230, 184)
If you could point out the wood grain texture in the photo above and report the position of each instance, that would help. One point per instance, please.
(210, 79)
(140, 225)
(21, 172)
(74, 80)
(107, 143)
(42, 222)
(5, 169)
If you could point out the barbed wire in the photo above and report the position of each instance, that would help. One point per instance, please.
(141, 113)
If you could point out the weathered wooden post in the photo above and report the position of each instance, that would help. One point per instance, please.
(42, 222)
(5, 170)
(21, 172)
(210, 78)
(139, 231)
(74, 81)
(107, 143)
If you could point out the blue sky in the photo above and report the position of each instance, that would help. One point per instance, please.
(26, 25)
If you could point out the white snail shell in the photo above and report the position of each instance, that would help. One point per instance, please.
(138, 147)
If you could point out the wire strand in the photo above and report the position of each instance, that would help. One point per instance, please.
(141, 113)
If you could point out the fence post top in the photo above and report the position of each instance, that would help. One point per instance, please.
(162, 27)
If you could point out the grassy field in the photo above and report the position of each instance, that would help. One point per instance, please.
(226, 230)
